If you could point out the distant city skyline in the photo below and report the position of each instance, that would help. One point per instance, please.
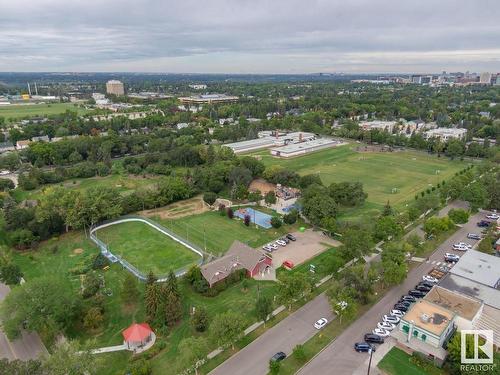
(250, 37)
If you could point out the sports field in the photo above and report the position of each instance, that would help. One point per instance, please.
(14, 112)
(146, 248)
(386, 176)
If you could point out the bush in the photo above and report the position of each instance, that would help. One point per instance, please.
(99, 262)
(458, 216)
(276, 222)
(299, 353)
(274, 367)
(199, 320)
(291, 217)
(247, 220)
(230, 213)
(209, 197)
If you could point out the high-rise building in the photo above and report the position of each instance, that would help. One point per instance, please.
(485, 78)
(115, 87)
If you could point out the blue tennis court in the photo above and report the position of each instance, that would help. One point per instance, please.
(260, 218)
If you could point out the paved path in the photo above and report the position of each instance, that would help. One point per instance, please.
(340, 354)
(293, 330)
(27, 346)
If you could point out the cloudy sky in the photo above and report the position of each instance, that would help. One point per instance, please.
(250, 36)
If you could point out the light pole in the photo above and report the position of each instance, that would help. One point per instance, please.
(370, 362)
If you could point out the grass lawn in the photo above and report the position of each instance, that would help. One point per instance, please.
(217, 233)
(397, 362)
(408, 171)
(15, 112)
(124, 185)
(146, 248)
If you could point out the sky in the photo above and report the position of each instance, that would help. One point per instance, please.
(250, 36)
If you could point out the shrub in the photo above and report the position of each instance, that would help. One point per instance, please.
(247, 220)
(274, 367)
(222, 210)
(458, 216)
(230, 213)
(291, 217)
(299, 353)
(209, 197)
(199, 320)
(99, 262)
(276, 222)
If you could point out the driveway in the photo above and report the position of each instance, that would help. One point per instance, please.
(340, 354)
(309, 244)
(293, 330)
(27, 346)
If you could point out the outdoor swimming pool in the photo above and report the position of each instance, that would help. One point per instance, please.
(260, 218)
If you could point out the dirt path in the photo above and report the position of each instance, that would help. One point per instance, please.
(179, 209)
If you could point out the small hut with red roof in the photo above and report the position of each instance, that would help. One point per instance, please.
(138, 337)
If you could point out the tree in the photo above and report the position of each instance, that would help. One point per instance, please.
(387, 227)
(199, 319)
(10, 273)
(394, 263)
(263, 308)
(246, 220)
(171, 300)
(6, 184)
(292, 287)
(193, 350)
(230, 212)
(435, 225)
(348, 193)
(387, 211)
(152, 297)
(276, 222)
(274, 367)
(18, 367)
(209, 197)
(70, 358)
(357, 242)
(227, 328)
(299, 353)
(254, 196)
(458, 216)
(93, 318)
(455, 148)
(270, 198)
(46, 304)
(291, 217)
(342, 303)
(129, 291)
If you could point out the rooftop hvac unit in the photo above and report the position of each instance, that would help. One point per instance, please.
(425, 318)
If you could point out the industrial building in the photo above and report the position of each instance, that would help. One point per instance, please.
(115, 87)
(208, 99)
(267, 140)
(302, 148)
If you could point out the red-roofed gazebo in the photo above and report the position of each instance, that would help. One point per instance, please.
(137, 335)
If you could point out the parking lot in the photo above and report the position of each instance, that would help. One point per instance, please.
(340, 352)
(308, 244)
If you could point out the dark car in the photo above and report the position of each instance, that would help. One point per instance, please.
(473, 236)
(363, 347)
(483, 224)
(284, 238)
(417, 293)
(291, 237)
(278, 357)
(376, 339)
(408, 298)
(404, 302)
(426, 283)
(401, 307)
(422, 288)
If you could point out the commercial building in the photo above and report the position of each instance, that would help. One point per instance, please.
(267, 140)
(387, 126)
(198, 86)
(208, 99)
(445, 134)
(297, 149)
(115, 87)
(485, 78)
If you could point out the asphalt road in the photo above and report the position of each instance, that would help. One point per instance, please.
(27, 346)
(293, 330)
(339, 357)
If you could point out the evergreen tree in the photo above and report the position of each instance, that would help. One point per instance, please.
(388, 211)
(152, 297)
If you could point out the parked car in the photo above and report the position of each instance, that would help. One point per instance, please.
(397, 313)
(493, 216)
(450, 257)
(385, 325)
(401, 307)
(381, 332)
(373, 338)
(320, 323)
(430, 279)
(426, 283)
(284, 238)
(267, 248)
(291, 237)
(281, 243)
(473, 236)
(391, 319)
(422, 288)
(404, 303)
(483, 224)
(278, 357)
(273, 246)
(417, 293)
(462, 246)
(408, 298)
(288, 264)
(363, 347)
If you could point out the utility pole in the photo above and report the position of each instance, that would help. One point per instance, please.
(370, 362)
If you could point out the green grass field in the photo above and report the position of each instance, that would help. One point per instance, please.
(397, 362)
(408, 171)
(16, 112)
(216, 233)
(146, 248)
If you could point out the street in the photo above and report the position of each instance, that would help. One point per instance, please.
(339, 357)
(27, 346)
(295, 329)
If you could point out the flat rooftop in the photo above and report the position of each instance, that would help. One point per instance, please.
(464, 306)
(294, 147)
(252, 143)
(490, 296)
(479, 267)
(438, 318)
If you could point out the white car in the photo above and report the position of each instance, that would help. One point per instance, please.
(273, 246)
(462, 246)
(391, 319)
(381, 332)
(320, 323)
(267, 248)
(493, 216)
(397, 313)
(450, 257)
(430, 279)
(386, 326)
(281, 242)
